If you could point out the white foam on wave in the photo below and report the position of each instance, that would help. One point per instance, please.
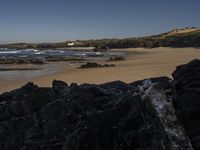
(30, 50)
(39, 53)
(9, 52)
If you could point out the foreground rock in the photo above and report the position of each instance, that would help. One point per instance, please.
(187, 99)
(152, 114)
(160, 104)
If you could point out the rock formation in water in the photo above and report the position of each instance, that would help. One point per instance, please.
(95, 65)
(116, 58)
(152, 114)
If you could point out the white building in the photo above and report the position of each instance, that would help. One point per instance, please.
(70, 44)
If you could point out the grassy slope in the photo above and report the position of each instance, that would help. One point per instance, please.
(187, 37)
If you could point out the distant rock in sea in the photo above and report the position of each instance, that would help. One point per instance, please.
(152, 114)
(116, 58)
(95, 65)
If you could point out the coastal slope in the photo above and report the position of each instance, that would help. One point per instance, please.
(184, 37)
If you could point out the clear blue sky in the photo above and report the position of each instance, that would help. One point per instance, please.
(60, 20)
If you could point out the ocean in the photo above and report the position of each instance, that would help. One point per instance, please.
(33, 53)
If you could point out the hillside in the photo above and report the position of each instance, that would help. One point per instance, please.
(186, 37)
(180, 31)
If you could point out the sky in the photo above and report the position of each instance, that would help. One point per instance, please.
(40, 21)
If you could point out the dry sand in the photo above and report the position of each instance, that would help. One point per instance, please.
(150, 63)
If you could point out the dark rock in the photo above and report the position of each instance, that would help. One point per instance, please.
(92, 117)
(164, 81)
(108, 65)
(90, 65)
(187, 99)
(100, 48)
(116, 58)
(60, 88)
(22, 61)
(186, 76)
(29, 98)
(116, 86)
(157, 102)
(96, 65)
(57, 85)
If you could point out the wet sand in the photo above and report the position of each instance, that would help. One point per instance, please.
(141, 63)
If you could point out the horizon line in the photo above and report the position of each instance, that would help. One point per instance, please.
(89, 39)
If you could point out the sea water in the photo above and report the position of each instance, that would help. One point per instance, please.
(31, 53)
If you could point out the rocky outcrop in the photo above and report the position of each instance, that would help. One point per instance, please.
(22, 61)
(187, 99)
(160, 104)
(116, 58)
(87, 117)
(95, 65)
(152, 114)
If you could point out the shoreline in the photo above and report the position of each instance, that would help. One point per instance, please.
(145, 63)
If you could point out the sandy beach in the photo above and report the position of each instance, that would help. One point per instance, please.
(140, 63)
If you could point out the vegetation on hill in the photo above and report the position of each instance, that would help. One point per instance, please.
(186, 37)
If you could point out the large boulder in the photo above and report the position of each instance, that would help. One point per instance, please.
(88, 117)
(187, 99)
(26, 100)
(160, 105)
(188, 75)
(116, 58)
(95, 65)
(60, 88)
